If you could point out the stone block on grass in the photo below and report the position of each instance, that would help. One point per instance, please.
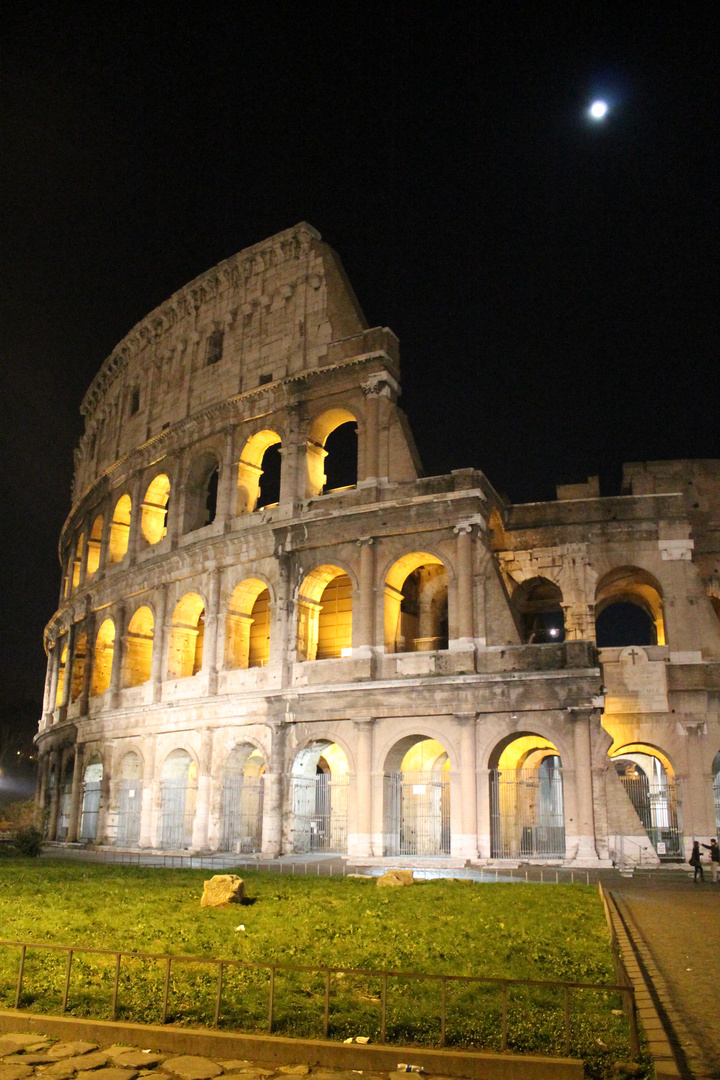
(393, 879)
(222, 889)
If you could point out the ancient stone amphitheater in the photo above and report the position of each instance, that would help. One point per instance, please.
(276, 635)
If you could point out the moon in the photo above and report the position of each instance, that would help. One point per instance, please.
(598, 110)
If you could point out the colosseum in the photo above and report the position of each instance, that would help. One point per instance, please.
(276, 636)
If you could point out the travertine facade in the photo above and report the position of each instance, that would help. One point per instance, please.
(398, 666)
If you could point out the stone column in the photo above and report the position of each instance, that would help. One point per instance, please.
(118, 655)
(585, 824)
(86, 548)
(147, 824)
(105, 538)
(47, 694)
(211, 631)
(283, 620)
(158, 642)
(135, 521)
(483, 814)
(67, 678)
(89, 627)
(464, 619)
(362, 845)
(55, 760)
(366, 615)
(372, 433)
(273, 792)
(225, 510)
(202, 805)
(466, 845)
(42, 786)
(76, 796)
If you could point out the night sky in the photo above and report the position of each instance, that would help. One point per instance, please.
(553, 281)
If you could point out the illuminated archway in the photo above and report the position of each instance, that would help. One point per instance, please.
(178, 795)
(103, 657)
(250, 470)
(648, 777)
(323, 426)
(416, 604)
(320, 798)
(417, 798)
(243, 800)
(62, 671)
(527, 816)
(77, 564)
(325, 614)
(155, 509)
(247, 625)
(92, 791)
(94, 545)
(120, 529)
(187, 635)
(139, 647)
(629, 609)
(129, 793)
(78, 666)
(538, 603)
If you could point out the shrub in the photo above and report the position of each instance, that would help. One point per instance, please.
(28, 841)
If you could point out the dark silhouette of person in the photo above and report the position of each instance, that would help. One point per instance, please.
(694, 861)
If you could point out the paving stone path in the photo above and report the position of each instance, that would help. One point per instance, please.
(679, 924)
(35, 1057)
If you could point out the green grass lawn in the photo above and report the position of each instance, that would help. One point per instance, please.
(521, 931)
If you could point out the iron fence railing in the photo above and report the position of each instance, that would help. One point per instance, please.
(623, 987)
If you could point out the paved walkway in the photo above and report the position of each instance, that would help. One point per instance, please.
(678, 923)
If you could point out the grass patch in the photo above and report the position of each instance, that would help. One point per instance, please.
(519, 931)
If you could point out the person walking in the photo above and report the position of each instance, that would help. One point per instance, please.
(694, 861)
(714, 850)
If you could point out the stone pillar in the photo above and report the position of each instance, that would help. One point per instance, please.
(585, 824)
(158, 642)
(76, 796)
(55, 760)
(466, 845)
(42, 786)
(118, 655)
(202, 805)
(484, 839)
(283, 622)
(366, 615)
(50, 688)
(210, 649)
(67, 678)
(107, 514)
(464, 618)
(225, 510)
(372, 433)
(135, 520)
(147, 824)
(361, 843)
(89, 627)
(273, 792)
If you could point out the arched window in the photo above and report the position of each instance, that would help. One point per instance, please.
(78, 666)
(155, 509)
(243, 800)
(260, 459)
(628, 609)
(120, 529)
(77, 564)
(139, 647)
(201, 492)
(103, 657)
(343, 470)
(62, 672)
(94, 544)
(417, 798)
(325, 614)
(649, 780)
(247, 627)
(320, 798)
(178, 794)
(538, 603)
(527, 816)
(186, 638)
(416, 599)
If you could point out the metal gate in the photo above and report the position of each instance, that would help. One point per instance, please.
(242, 810)
(64, 808)
(129, 812)
(656, 806)
(526, 813)
(320, 805)
(177, 808)
(90, 809)
(418, 813)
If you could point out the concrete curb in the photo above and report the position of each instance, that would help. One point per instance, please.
(277, 1051)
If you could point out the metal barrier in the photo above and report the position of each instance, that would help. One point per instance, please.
(624, 988)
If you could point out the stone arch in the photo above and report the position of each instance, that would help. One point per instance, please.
(538, 602)
(103, 654)
(201, 489)
(320, 775)
(154, 509)
(77, 562)
(120, 529)
(633, 588)
(178, 796)
(416, 603)
(324, 605)
(321, 428)
(527, 812)
(139, 647)
(416, 806)
(93, 776)
(242, 801)
(247, 625)
(250, 470)
(79, 660)
(648, 776)
(187, 634)
(94, 546)
(62, 646)
(129, 797)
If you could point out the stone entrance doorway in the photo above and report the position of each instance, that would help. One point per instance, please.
(527, 815)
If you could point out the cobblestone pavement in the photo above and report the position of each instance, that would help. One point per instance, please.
(37, 1057)
(679, 923)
